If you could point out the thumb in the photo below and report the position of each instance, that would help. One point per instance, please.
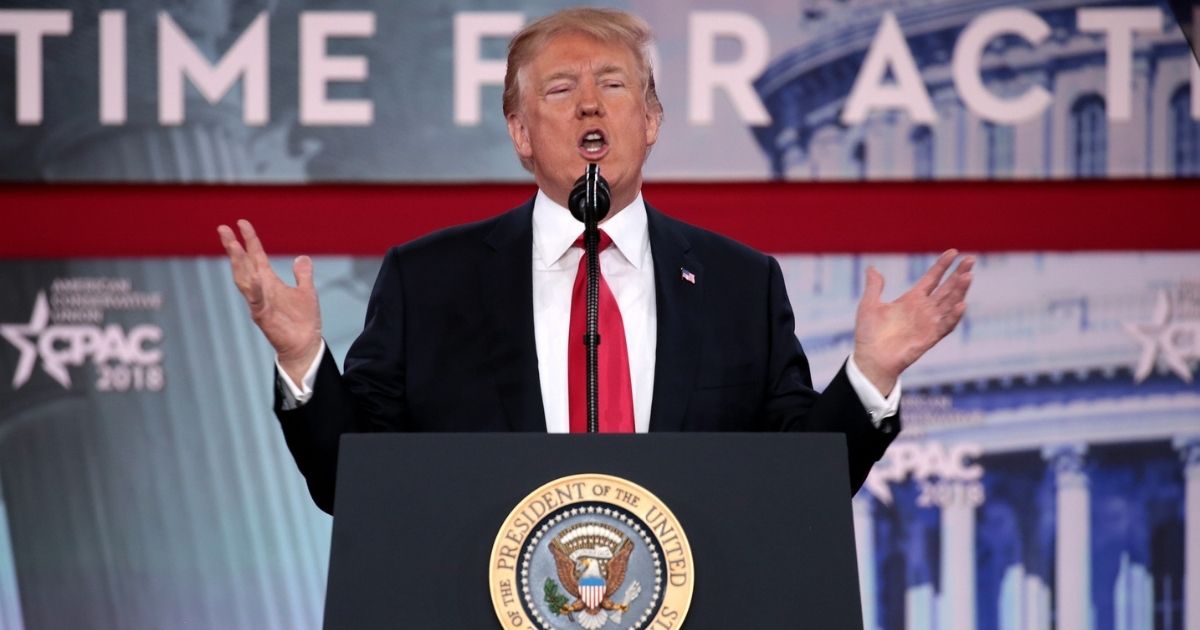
(873, 291)
(302, 268)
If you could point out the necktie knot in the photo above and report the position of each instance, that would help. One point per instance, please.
(605, 240)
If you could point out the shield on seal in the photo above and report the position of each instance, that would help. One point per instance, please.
(591, 591)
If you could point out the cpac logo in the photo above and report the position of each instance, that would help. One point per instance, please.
(955, 468)
(1176, 343)
(60, 346)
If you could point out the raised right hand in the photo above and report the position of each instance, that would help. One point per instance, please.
(290, 317)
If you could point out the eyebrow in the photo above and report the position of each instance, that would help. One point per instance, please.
(610, 69)
(561, 74)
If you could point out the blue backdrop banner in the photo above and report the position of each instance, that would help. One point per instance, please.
(369, 90)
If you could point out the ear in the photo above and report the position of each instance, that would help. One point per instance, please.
(520, 136)
(653, 121)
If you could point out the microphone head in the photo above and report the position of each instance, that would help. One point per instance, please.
(590, 193)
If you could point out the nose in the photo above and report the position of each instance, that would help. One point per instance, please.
(589, 102)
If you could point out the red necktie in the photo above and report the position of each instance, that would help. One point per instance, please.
(616, 391)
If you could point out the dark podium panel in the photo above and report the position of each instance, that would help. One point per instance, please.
(767, 516)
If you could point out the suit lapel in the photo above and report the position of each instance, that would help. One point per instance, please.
(506, 290)
(678, 302)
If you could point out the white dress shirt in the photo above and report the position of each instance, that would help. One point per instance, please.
(628, 268)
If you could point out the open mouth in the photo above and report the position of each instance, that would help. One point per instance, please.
(593, 144)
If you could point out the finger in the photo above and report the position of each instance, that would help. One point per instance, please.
(245, 277)
(954, 298)
(302, 268)
(955, 316)
(253, 245)
(958, 282)
(949, 320)
(955, 287)
(933, 277)
(229, 241)
(873, 289)
(965, 276)
(237, 255)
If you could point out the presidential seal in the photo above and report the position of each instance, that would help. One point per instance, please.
(591, 551)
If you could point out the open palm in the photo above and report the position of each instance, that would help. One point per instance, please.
(890, 336)
(290, 317)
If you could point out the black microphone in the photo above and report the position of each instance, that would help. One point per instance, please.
(589, 202)
(590, 193)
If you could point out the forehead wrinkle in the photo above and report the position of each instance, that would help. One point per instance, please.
(608, 68)
(523, 78)
(605, 70)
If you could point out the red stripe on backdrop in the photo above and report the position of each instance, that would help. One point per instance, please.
(60, 221)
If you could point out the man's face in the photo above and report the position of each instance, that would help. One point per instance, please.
(582, 100)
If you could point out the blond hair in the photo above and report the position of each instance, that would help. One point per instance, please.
(606, 25)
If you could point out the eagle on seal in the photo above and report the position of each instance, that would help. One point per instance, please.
(591, 587)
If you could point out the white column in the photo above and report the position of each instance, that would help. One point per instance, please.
(919, 604)
(958, 564)
(1189, 449)
(864, 541)
(1133, 596)
(1024, 601)
(1072, 539)
(1036, 613)
(1011, 601)
(10, 602)
(920, 600)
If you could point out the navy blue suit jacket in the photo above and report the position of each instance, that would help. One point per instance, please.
(448, 345)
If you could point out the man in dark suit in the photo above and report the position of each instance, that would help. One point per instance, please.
(464, 334)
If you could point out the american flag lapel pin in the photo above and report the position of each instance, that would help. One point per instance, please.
(687, 276)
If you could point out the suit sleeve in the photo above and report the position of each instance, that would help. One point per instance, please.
(368, 397)
(793, 405)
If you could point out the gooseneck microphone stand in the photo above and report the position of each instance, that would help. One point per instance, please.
(589, 202)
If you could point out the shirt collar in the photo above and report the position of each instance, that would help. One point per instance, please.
(555, 230)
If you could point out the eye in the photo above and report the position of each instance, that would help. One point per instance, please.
(613, 84)
(561, 88)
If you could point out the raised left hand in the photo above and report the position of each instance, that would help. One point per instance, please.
(890, 336)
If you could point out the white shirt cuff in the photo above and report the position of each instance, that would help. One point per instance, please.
(878, 407)
(294, 396)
